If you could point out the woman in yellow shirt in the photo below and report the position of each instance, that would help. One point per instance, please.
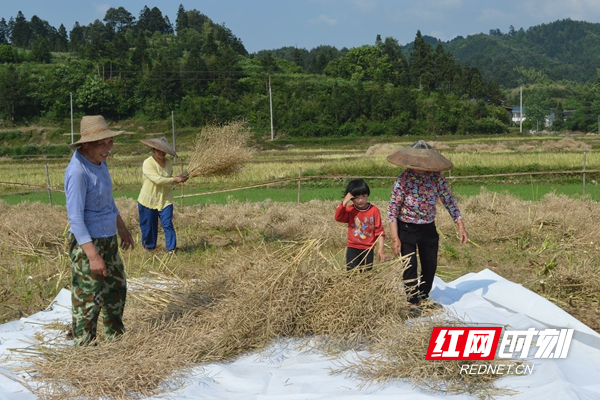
(156, 198)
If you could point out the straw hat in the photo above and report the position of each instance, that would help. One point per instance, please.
(420, 155)
(160, 144)
(94, 127)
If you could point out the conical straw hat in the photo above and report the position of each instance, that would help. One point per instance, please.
(420, 155)
(160, 144)
(94, 127)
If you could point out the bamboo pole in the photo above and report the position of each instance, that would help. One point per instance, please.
(182, 196)
(299, 181)
(584, 163)
(48, 185)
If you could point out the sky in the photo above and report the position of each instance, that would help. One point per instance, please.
(271, 24)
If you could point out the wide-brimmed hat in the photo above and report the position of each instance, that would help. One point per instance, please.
(160, 144)
(94, 127)
(420, 155)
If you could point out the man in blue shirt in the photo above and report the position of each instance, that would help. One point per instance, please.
(98, 275)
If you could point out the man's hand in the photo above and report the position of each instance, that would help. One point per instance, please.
(124, 234)
(97, 264)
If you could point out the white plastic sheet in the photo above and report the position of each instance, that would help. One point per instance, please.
(284, 372)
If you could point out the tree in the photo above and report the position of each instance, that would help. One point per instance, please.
(297, 57)
(4, 32)
(41, 51)
(95, 96)
(164, 80)
(559, 120)
(98, 37)
(7, 54)
(420, 70)
(392, 49)
(320, 56)
(77, 36)
(140, 58)
(152, 20)
(194, 74)
(20, 31)
(269, 63)
(12, 93)
(181, 22)
(493, 93)
(119, 19)
(62, 40)
(536, 108)
(365, 63)
(210, 47)
(196, 20)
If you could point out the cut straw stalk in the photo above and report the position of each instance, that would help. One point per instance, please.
(220, 150)
(294, 292)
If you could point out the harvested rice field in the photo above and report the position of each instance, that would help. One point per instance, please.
(247, 274)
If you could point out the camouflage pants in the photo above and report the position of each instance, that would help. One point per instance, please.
(92, 293)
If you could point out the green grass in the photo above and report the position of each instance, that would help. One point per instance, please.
(290, 194)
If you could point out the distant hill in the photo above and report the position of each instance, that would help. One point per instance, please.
(561, 50)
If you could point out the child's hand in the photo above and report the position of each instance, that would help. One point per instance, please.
(381, 255)
(347, 199)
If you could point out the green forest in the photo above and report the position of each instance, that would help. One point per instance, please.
(147, 67)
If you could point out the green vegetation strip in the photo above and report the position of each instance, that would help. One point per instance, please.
(379, 192)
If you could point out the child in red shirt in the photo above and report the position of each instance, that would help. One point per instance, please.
(364, 226)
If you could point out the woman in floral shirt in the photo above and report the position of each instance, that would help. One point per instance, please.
(412, 210)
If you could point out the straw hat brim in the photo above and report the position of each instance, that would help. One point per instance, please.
(159, 145)
(97, 136)
(424, 159)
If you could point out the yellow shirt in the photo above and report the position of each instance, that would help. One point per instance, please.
(157, 187)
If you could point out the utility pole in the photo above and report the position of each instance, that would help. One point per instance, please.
(271, 107)
(521, 113)
(71, 95)
(173, 128)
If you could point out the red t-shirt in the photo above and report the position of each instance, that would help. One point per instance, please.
(364, 226)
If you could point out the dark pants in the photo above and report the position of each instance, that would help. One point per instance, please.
(149, 226)
(359, 257)
(424, 239)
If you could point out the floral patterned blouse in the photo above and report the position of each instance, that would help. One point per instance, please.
(414, 197)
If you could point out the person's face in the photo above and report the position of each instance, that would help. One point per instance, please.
(159, 155)
(361, 201)
(98, 151)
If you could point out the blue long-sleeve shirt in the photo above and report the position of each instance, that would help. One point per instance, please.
(91, 208)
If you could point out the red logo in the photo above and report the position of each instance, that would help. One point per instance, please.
(449, 343)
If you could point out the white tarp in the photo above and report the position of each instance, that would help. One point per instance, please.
(283, 372)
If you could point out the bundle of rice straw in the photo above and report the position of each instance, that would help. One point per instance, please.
(220, 149)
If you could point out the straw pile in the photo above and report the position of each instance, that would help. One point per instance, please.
(482, 148)
(220, 150)
(272, 281)
(23, 232)
(384, 149)
(239, 306)
(565, 144)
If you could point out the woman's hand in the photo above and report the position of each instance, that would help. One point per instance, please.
(396, 245)
(180, 178)
(462, 232)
